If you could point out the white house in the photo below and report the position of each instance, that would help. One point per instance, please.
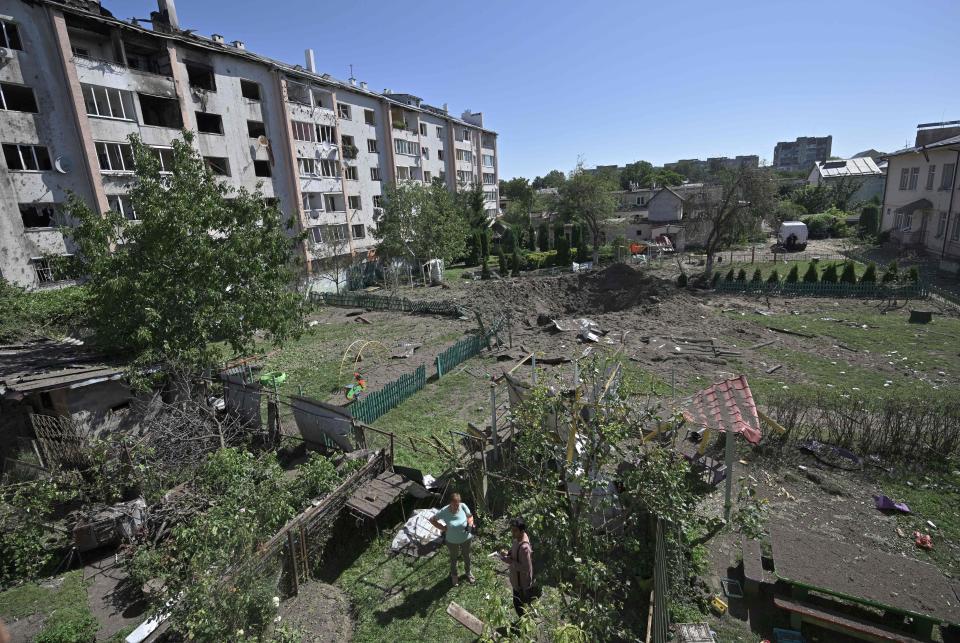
(864, 171)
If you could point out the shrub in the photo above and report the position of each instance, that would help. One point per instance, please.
(913, 275)
(502, 261)
(730, 275)
(541, 259)
(849, 275)
(811, 276)
(74, 624)
(583, 251)
(830, 275)
(869, 220)
(891, 274)
(516, 262)
(883, 237)
(757, 277)
(682, 280)
(563, 252)
(742, 275)
(774, 277)
(543, 237)
(794, 275)
(715, 280)
(870, 274)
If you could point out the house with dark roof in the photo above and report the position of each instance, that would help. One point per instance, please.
(921, 208)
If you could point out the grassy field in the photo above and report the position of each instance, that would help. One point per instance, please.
(936, 495)
(442, 406)
(63, 601)
(397, 598)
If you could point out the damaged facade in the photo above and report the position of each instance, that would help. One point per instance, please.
(75, 82)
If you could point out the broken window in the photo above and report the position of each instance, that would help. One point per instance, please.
(44, 270)
(359, 232)
(403, 173)
(427, 177)
(249, 89)
(374, 174)
(349, 149)
(343, 111)
(303, 131)
(165, 157)
(160, 112)
(440, 155)
(297, 93)
(10, 35)
(308, 167)
(350, 173)
(369, 117)
(201, 77)
(262, 168)
(209, 123)
(17, 98)
(325, 133)
(107, 102)
(115, 157)
(37, 215)
(26, 157)
(330, 202)
(123, 206)
(423, 129)
(328, 167)
(353, 202)
(255, 129)
(378, 201)
(218, 165)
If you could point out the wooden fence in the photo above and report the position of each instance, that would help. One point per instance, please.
(461, 352)
(380, 302)
(918, 290)
(368, 408)
(59, 440)
(660, 596)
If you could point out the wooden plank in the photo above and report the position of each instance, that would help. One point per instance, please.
(465, 618)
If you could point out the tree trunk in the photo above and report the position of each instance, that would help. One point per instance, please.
(596, 247)
(708, 269)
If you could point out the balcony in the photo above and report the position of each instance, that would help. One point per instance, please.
(119, 76)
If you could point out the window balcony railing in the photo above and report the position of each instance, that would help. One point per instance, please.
(98, 64)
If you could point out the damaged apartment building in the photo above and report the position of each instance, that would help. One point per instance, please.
(75, 82)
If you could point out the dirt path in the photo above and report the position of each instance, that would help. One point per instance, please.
(320, 612)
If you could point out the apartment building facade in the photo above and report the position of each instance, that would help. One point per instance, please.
(75, 82)
(921, 207)
(801, 154)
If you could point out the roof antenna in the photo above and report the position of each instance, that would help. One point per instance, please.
(353, 81)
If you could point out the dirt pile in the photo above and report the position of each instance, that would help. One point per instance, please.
(615, 288)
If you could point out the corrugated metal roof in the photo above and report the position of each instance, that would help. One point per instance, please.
(848, 167)
(46, 365)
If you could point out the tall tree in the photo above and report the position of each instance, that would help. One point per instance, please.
(553, 179)
(518, 190)
(664, 177)
(638, 174)
(586, 198)
(203, 263)
(421, 223)
(725, 212)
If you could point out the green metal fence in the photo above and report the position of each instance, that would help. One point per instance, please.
(918, 290)
(370, 407)
(461, 352)
(379, 302)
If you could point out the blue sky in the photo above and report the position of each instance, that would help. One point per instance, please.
(615, 81)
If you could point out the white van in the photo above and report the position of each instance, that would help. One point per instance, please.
(793, 236)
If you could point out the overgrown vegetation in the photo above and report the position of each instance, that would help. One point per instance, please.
(44, 313)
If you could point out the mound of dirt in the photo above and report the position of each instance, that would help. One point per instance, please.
(615, 288)
(320, 612)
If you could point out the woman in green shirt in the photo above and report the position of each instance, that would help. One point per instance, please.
(457, 521)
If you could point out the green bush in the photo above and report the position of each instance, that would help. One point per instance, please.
(27, 315)
(849, 275)
(811, 276)
(537, 260)
(563, 252)
(502, 261)
(516, 260)
(583, 250)
(830, 275)
(715, 279)
(730, 275)
(682, 280)
(869, 220)
(774, 277)
(913, 275)
(870, 274)
(890, 276)
(794, 275)
(543, 237)
(757, 276)
(832, 223)
(742, 275)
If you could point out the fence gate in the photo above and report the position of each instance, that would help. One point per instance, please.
(59, 441)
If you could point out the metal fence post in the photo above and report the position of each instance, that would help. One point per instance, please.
(493, 414)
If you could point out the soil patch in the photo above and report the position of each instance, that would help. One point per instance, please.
(320, 612)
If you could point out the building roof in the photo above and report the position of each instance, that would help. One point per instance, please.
(947, 142)
(864, 166)
(47, 365)
(186, 36)
(665, 188)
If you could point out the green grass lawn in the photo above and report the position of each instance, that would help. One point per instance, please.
(936, 497)
(442, 406)
(398, 598)
(63, 601)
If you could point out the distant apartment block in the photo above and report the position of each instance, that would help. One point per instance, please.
(713, 164)
(75, 82)
(921, 207)
(801, 154)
